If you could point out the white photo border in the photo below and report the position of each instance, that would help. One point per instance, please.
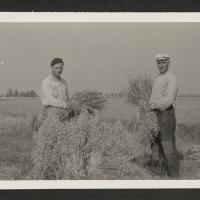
(98, 17)
(72, 17)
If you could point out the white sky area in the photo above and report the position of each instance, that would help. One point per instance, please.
(97, 55)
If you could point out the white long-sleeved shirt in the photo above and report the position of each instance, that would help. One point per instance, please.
(54, 92)
(164, 91)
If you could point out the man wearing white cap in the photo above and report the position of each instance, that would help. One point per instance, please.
(162, 102)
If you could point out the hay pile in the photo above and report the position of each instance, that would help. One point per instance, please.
(82, 143)
(86, 147)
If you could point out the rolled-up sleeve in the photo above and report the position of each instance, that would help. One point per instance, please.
(170, 96)
(48, 97)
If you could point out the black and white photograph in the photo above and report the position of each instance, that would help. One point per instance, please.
(99, 101)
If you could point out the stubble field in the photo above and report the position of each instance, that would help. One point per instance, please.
(16, 134)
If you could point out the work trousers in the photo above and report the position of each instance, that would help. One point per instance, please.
(168, 155)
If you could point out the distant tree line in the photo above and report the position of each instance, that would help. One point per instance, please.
(120, 95)
(189, 95)
(16, 93)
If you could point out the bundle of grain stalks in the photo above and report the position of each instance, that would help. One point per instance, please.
(146, 126)
(89, 101)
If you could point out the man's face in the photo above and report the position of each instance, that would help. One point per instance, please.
(57, 69)
(163, 65)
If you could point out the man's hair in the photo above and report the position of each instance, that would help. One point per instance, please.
(56, 60)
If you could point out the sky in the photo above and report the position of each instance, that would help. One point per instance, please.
(97, 55)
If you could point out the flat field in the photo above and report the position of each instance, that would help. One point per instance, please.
(16, 133)
(187, 108)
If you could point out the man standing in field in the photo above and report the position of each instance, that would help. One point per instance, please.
(162, 102)
(54, 89)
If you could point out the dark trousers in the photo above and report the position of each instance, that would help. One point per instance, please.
(168, 155)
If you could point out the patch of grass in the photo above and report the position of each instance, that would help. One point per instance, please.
(189, 133)
(16, 139)
(15, 147)
(188, 143)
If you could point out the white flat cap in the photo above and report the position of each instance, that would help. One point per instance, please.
(162, 57)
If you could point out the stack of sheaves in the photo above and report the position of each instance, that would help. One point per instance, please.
(87, 146)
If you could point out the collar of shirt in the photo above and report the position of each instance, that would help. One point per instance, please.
(168, 73)
(53, 79)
